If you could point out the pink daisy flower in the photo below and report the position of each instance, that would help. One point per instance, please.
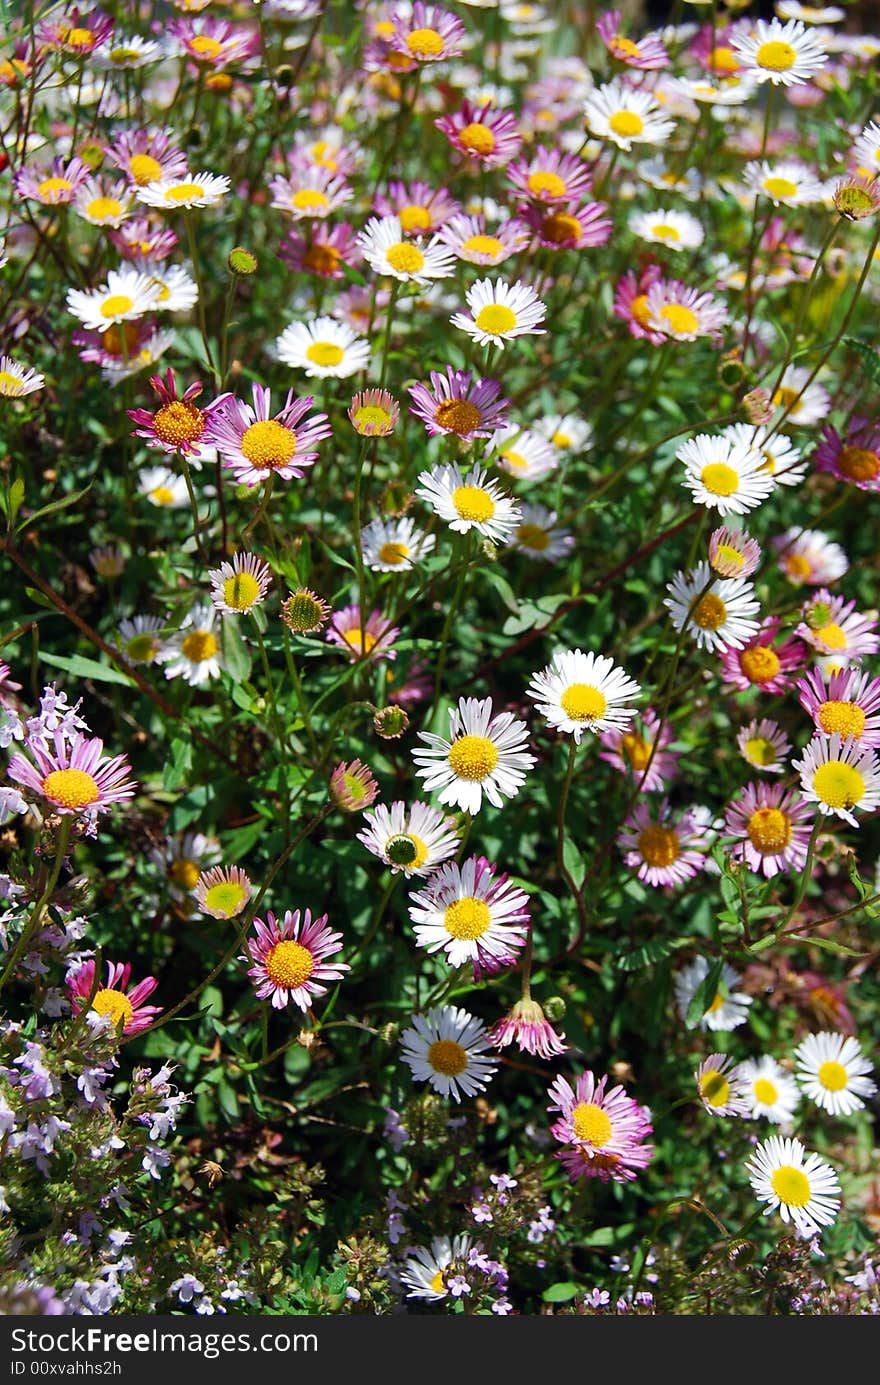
(528, 1027)
(732, 553)
(760, 664)
(457, 403)
(662, 847)
(857, 459)
(567, 226)
(468, 239)
(549, 175)
(75, 776)
(115, 999)
(773, 824)
(472, 914)
(323, 251)
(214, 42)
(139, 239)
(428, 35)
(374, 643)
(52, 186)
(256, 444)
(603, 1131)
(629, 752)
(124, 348)
(146, 156)
(309, 194)
(683, 313)
(712, 49)
(420, 209)
(646, 55)
(76, 33)
(720, 1087)
(832, 625)
(290, 958)
(631, 303)
(847, 702)
(490, 137)
(178, 425)
(764, 745)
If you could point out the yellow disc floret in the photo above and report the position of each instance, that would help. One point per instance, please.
(473, 757)
(467, 918)
(448, 1057)
(591, 1124)
(268, 443)
(71, 788)
(288, 964)
(581, 702)
(473, 503)
(114, 1004)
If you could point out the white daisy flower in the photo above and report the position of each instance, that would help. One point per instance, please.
(17, 380)
(193, 651)
(522, 453)
(393, 545)
(626, 116)
(445, 1047)
(800, 1186)
(805, 403)
(178, 291)
(500, 311)
(782, 460)
(186, 192)
(770, 1091)
(163, 487)
(783, 53)
(675, 230)
(102, 203)
(866, 150)
(832, 1071)
(580, 692)
(388, 250)
(808, 555)
(719, 1089)
(723, 91)
(726, 1010)
(139, 640)
(568, 433)
(786, 183)
(128, 52)
(324, 348)
(413, 840)
(239, 586)
(538, 537)
(839, 776)
(424, 1272)
(716, 611)
(126, 295)
(724, 474)
(469, 502)
(471, 914)
(810, 14)
(485, 754)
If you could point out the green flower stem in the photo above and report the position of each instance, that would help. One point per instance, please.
(194, 506)
(197, 270)
(33, 922)
(454, 604)
(261, 508)
(295, 679)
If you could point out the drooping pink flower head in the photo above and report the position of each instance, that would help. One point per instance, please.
(178, 425)
(529, 1028)
(603, 1131)
(290, 959)
(114, 999)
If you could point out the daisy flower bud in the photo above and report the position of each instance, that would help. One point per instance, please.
(390, 723)
(352, 787)
(304, 613)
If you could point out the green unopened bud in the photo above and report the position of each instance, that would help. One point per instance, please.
(554, 1008)
(241, 262)
(93, 155)
(858, 197)
(732, 372)
(390, 722)
(284, 75)
(818, 616)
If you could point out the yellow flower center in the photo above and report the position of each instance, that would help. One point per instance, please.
(309, 199)
(715, 1088)
(766, 1091)
(544, 183)
(838, 785)
(477, 137)
(533, 536)
(561, 439)
(438, 1284)
(371, 416)
(289, 964)
(724, 59)
(581, 702)
(116, 305)
(710, 612)
(846, 718)
(184, 872)
(199, 646)
(626, 123)
(184, 192)
(483, 245)
(664, 231)
(591, 1124)
(797, 565)
(658, 845)
(514, 459)
(832, 636)
(769, 830)
(162, 495)
(102, 207)
(241, 591)
(324, 353)
(716, 1003)
(353, 640)
(760, 751)
(52, 187)
(226, 898)
(472, 757)
(791, 1186)
(114, 1004)
(144, 169)
(832, 1076)
(448, 1057)
(473, 503)
(635, 749)
(496, 319)
(393, 554)
(680, 318)
(458, 416)
(780, 187)
(424, 43)
(321, 259)
(413, 218)
(467, 918)
(79, 38)
(776, 56)
(205, 46)
(178, 422)
(624, 48)
(141, 649)
(719, 479)
(268, 444)
(405, 257)
(858, 463)
(727, 557)
(560, 227)
(71, 788)
(759, 664)
(10, 385)
(640, 310)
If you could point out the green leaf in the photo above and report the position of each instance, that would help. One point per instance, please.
(11, 499)
(826, 945)
(52, 507)
(704, 994)
(648, 954)
(236, 658)
(179, 765)
(563, 1292)
(870, 357)
(574, 862)
(86, 668)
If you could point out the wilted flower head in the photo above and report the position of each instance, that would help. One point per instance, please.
(352, 787)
